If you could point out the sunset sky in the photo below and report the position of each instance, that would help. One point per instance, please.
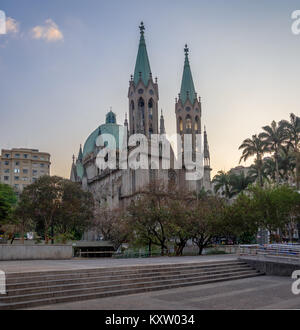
(64, 63)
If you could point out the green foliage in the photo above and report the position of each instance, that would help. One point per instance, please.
(282, 141)
(8, 201)
(231, 184)
(54, 206)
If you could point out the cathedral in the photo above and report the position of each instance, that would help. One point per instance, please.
(117, 187)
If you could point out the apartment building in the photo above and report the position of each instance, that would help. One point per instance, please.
(20, 167)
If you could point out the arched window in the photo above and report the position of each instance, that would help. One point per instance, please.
(197, 124)
(141, 107)
(188, 122)
(180, 122)
(150, 107)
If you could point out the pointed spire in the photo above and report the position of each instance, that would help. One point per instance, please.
(80, 155)
(206, 147)
(162, 123)
(187, 90)
(142, 67)
(73, 157)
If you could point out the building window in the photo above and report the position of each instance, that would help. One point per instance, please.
(6, 170)
(35, 157)
(188, 122)
(42, 165)
(25, 156)
(6, 178)
(25, 171)
(6, 163)
(180, 125)
(17, 163)
(17, 155)
(17, 178)
(34, 172)
(7, 155)
(16, 170)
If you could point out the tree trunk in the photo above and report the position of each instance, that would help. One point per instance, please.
(297, 169)
(277, 168)
(150, 248)
(201, 247)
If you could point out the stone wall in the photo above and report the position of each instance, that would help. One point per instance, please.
(35, 252)
(272, 267)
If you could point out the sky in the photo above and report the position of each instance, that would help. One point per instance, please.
(64, 63)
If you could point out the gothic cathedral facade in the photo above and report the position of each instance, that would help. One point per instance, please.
(117, 187)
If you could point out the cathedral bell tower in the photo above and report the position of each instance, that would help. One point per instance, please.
(188, 106)
(143, 94)
(188, 117)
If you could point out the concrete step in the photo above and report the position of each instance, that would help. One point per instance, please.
(34, 289)
(29, 283)
(46, 287)
(117, 292)
(34, 276)
(108, 286)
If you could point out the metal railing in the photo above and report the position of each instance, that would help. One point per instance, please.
(287, 252)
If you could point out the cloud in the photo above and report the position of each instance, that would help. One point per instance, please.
(48, 32)
(12, 26)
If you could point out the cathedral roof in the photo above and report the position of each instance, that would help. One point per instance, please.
(110, 127)
(187, 84)
(142, 65)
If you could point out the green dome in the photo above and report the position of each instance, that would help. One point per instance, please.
(113, 129)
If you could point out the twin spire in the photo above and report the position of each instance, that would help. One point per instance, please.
(143, 71)
(187, 90)
(142, 66)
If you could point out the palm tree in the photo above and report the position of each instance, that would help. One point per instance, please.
(269, 168)
(286, 162)
(292, 129)
(254, 147)
(222, 183)
(273, 138)
(239, 182)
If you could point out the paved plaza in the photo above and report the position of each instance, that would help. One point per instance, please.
(53, 265)
(263, 292)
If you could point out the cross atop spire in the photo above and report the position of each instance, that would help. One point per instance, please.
(142, 28)
(186, 50)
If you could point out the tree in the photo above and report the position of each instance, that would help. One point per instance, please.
(58, 205)
(111, 225)
(180, 224)
(239, 182)
(273, 206)
(240, 222)
(206, 218)
(254, 147)
(292, 128)
(8, 200)
(231, 184)
(273, 138)
(149, 216)
(222, 183)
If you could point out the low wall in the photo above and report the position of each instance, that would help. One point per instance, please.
(35, 252)
(272, 267)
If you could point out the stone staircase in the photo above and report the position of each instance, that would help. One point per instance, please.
(25, 290)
